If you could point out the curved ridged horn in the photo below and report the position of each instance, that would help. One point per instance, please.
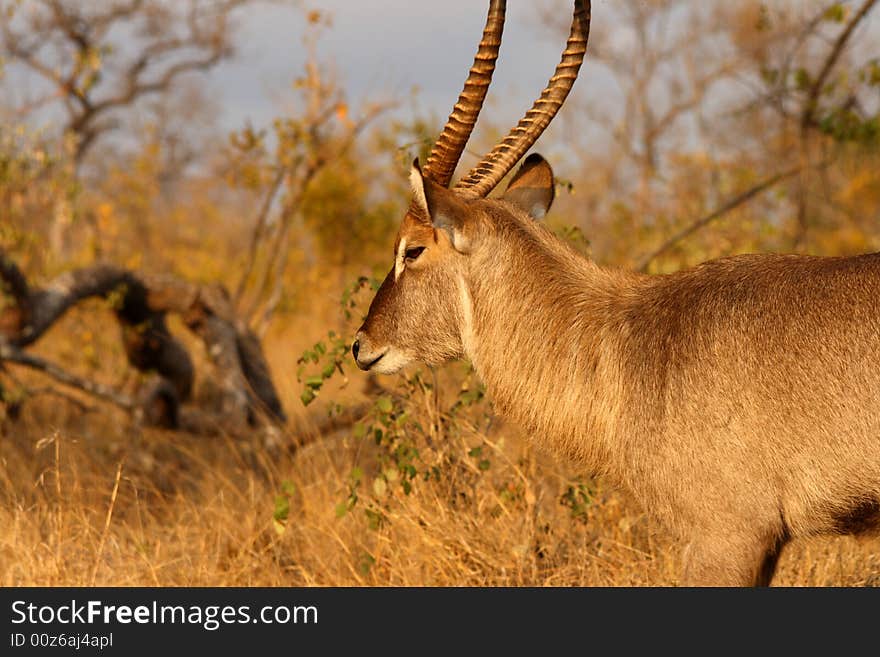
(451, 142)
(501, 159)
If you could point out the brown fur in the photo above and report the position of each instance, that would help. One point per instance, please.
(739, 401)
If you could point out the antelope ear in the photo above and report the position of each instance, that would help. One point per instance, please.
(532, 188)
(442, 207)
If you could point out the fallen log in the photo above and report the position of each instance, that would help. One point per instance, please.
(141, 303)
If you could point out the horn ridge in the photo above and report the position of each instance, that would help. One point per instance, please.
(449, 146)
(483, 177)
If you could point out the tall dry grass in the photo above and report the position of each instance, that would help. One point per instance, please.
(88, 499)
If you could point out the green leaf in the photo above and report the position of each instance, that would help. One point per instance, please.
(872, 73)
(328, 370)
(307, 396)
(472, 396)
(314, 382)
(282, 508)
(341, 509)
(769, 75)
(288, 487)
(384, 405)
(374, 519)
(359, 430)
(379, 487)
(484, 464)
(366, 563)
(835, 13)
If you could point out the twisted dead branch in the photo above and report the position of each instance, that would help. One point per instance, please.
(141, 303)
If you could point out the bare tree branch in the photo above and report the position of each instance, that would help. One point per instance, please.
(140, 303)
(702, 222)
(259, 228)
(61, 394)
(167, 44)
(326, 150)
(811, 103)
(13, 354)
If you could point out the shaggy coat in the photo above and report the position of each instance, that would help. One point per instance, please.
(739, 401)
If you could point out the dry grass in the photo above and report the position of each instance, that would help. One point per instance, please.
(85, 499)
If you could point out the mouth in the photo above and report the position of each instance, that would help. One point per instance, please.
(368, 365)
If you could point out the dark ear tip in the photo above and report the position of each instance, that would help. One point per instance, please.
(534, 158)
(416, 164)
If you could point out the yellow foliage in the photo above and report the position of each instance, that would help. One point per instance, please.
(135, 261)
(862, 188)
(106, 219)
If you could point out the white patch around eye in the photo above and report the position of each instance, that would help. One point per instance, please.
(398, 260)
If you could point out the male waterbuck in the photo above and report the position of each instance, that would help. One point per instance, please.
(739, 401)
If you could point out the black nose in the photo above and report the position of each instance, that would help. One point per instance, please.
(355, 347)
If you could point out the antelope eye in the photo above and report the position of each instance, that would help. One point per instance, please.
(413, 253)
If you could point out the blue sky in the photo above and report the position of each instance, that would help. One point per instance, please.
(379, 50)
(383, 48)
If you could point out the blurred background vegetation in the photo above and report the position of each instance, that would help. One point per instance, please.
(696, 130)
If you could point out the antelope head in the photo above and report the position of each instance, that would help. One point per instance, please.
(421, 313)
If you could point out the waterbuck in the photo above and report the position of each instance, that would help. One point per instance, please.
(739, 401)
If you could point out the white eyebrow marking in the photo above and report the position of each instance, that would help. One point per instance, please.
(398, 261)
